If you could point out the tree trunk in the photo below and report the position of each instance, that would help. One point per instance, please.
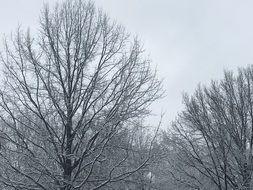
(67, 173)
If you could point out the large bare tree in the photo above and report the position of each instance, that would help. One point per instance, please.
(213, 137)
(69, 92)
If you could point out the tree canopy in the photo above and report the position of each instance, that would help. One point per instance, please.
(71, 96)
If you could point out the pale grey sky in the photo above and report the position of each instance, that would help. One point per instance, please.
(190, 42)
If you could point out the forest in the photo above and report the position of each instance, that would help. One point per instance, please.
(75, 101)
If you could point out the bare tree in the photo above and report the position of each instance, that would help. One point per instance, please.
(213, 137)
(68, 93)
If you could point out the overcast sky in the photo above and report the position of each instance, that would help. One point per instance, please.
(190, 41)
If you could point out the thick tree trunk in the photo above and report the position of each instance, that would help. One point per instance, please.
(67, 173)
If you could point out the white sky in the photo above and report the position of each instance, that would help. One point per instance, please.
(190, 42)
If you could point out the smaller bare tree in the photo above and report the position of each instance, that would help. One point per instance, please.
(213, 137)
